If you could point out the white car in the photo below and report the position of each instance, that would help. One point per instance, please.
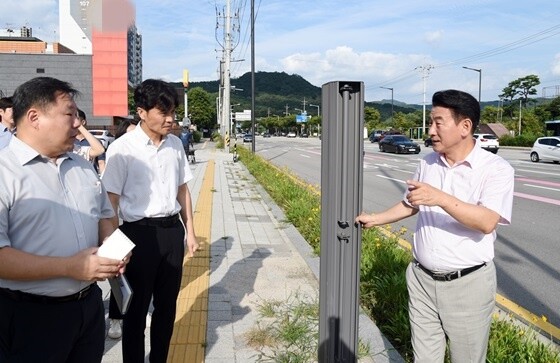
(104, 136)
(546, 148)
(488, 142)
(291, 134)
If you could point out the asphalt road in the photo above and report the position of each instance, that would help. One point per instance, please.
(527, 254)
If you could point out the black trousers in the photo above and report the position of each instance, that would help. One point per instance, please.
(64, 332)
(114, 312)
(154, 271)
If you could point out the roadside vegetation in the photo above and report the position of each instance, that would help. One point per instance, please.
(288, 331)
(383, 291)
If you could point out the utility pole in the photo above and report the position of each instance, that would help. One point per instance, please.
(227, 64)
(519, 129)
(425, 74)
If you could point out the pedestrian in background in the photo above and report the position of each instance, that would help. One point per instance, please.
(460, 193)
(115, 316)
(124, 127)
(146, 177)
(7, 125)
(54, 213)
(86, 145)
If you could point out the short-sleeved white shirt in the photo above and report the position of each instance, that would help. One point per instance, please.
(49, 209)
(483, 178)
(146, 176)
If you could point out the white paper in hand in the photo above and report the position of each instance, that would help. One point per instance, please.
(116, 246)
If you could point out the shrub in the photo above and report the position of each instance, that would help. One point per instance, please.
(520, 140)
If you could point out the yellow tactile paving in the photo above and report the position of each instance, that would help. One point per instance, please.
(189, 335)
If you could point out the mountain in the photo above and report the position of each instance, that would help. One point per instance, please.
(278, 93)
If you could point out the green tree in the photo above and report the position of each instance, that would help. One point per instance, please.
(131, 104)
(402, 122)
(372, 119)
(180, 112)
(201, 109)
(414, 118)
(522, 87)
(554, 108)
(313, 124)
(489, 114)
(531, 123)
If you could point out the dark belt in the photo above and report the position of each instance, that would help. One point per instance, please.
(449, 276)
(44, 299)
(158, 221)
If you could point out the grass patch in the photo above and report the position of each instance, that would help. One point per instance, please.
(288, 331)
(383, 293)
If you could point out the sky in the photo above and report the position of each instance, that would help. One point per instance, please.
(414, 47)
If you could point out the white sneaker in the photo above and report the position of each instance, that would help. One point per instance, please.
(115, 330)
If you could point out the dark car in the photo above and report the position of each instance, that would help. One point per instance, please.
(376, 135)
(428, 142)
(266, 134)
(399, 144)
(247, 138)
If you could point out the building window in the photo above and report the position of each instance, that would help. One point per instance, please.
(40, 70)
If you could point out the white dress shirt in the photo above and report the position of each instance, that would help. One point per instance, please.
(441, 243)
(146, 176)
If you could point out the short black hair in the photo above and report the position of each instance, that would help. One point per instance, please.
(6, 102)
(81, 115)
(39, 92)
(155, 93)
(462, 104)
(122, 127)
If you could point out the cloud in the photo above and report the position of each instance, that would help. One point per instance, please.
(433, 37)
(345, 63)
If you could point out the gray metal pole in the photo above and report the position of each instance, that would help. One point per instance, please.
(479, 70)
(341, 201)
(253, 75)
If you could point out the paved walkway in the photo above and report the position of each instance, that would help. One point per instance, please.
(249, 256)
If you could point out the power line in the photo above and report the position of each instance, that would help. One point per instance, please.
(528, 40)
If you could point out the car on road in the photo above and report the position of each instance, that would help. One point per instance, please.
(247, 138)
(488, 142)
(291, 134)
(104, 136)
(546, 148)
(399, 144)
(376, 135)
(303, 134)
(428, 142)
(266, 134)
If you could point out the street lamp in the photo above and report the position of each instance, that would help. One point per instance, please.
(318, 109)
(392, 107)
(318, 115)
(479, 79)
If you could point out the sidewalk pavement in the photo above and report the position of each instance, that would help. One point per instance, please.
(249, 256)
